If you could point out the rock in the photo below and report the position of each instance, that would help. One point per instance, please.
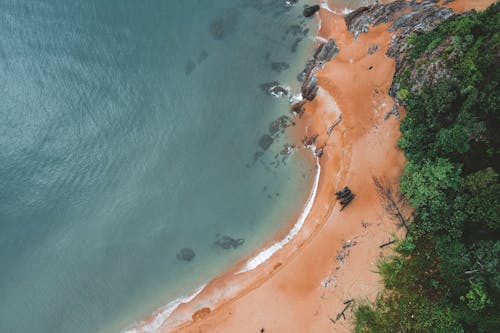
(353, 23)
(372, 49)
(265, 141)
(226, 242)
(310, 10)
(298, 108)
(309, 141)
(275, 89)
(407, 17)
(279, 66)
(325, 52)
(281, 123)
(287, 149)
(186, 254)
(309, 87)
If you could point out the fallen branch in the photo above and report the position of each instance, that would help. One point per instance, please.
(342, 314)
(387, 243)
(335, 123)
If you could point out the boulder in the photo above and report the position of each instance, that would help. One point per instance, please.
(310, 10)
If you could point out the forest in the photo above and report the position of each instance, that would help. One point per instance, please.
(444, 275)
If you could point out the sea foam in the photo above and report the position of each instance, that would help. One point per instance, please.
(164, 313)
(270, 251)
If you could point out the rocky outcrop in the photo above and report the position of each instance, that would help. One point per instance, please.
(324, 53)
(407, 17)
(310, 10)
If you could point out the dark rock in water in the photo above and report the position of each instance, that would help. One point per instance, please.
(279, 124)
(295, 45)
(372, 49)
(274, 89)
(310, 10)
(279, 66)
(224, 24)
(309, 141)
(257, 155)
(190, 65)
(186, 254)
(226, 242)
(287, 149)
(202, 56)
(265, 141)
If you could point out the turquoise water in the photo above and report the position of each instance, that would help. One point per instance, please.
(129, 131)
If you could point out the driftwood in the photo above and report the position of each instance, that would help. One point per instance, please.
(345, 196)
(387, 243)
(342, 313)
(335, 123)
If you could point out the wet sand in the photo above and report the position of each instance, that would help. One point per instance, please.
(333, 258)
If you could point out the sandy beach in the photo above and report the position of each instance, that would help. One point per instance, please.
(303, 286)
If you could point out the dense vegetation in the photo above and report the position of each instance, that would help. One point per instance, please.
(444, 276)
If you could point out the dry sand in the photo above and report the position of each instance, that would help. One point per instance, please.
(334, 258)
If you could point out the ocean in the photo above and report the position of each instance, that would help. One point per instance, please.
(137, 156)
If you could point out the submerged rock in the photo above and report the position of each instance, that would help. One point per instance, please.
(226, 242)
(265, 141)
(223, 25)
(275, 89)
(279, 124)
(202, 56)
(279, 66)
(186, 254)
(189, 68)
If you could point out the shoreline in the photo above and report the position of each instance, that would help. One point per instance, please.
(361, 146)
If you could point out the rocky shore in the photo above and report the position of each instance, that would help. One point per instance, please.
(348, 92)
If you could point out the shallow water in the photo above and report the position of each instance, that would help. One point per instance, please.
(128, 131)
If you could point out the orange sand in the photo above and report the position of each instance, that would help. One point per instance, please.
(302, 287)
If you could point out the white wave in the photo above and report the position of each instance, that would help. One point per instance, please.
(164, 313)
(325, 6)
(321, 39)
(346, 11)
(270, 251)
(295, 98)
